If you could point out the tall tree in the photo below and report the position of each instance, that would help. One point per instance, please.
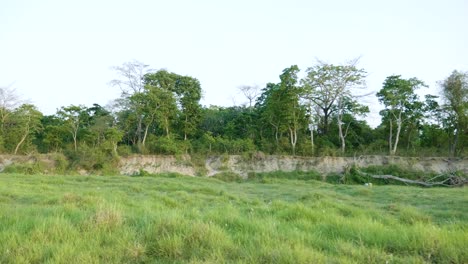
(270, 108)
(347, 105)
(279, 106)
(329, 87)
(401, 105)
(160, 87)
(143, 112)
(25, 121)
(188, 91)
(294, 112)
(9, 100)
(131, 81)
(455, 95)
(313, 114)
(52, 137)
(97, 121)
(72, 118)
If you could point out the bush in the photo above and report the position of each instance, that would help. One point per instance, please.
(61, 163)
(228, 177)
(294, 175)
(93, 159)
(37, 167)
(198, 162)
(326, 148)
(167, 145)
(124, 150)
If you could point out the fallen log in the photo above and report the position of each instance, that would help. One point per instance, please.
(451, 181)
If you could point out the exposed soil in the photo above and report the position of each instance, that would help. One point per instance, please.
(260, 163)
(327, 165)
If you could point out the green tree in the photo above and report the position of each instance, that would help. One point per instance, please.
(143, 113)
(131, 81)
(24, 123)
(188, 91)
(9, 100)
(112, 137)
(347, 106)
(455, 96)
(100, 129)
(52, 137)
(402, 106)
(72, 117)
(279, 107)
(160, 88)
(270, 108)
(294, 113)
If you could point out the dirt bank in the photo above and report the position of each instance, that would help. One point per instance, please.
(260, 163)
(242, 166)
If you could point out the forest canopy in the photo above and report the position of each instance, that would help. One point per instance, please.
(159, 112)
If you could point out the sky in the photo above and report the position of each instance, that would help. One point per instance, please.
(60, 52)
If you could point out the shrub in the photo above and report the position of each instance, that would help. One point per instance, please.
(228, 177)
(61, 163)
(92, 159)
(167, 145)
(37, 167)
(294, 175)
(124, 150)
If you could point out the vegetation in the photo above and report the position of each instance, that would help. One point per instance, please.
(159, 112)
(272, 218)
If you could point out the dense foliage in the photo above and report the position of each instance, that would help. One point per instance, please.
(159, 112)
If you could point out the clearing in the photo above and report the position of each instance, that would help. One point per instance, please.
(171, 218)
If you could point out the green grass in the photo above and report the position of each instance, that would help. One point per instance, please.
(176, 219)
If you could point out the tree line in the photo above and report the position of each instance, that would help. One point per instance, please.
(159, 112)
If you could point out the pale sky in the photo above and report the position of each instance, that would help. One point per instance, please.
(59, 52)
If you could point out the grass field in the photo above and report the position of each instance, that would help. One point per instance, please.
(177, 219)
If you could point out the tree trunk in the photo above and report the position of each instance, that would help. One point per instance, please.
(75, 135)
(293, 137)
(311, 128)
(114, 148)
(312, 139)
(145, 135)
(397, 136)
(21, 141)
(325, 121)
(139, 126)
(455, 142)
(390, 139)
(74, 143)
(166, 121)
(276, 134)
(342, 136)
(23, 138)
(408, 141)
(185, 130)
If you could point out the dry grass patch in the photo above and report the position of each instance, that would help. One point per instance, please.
(107, 216)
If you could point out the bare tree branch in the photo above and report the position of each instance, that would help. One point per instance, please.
(250, 92)
(131, 77)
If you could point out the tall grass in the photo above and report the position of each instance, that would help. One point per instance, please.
(167, 219)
